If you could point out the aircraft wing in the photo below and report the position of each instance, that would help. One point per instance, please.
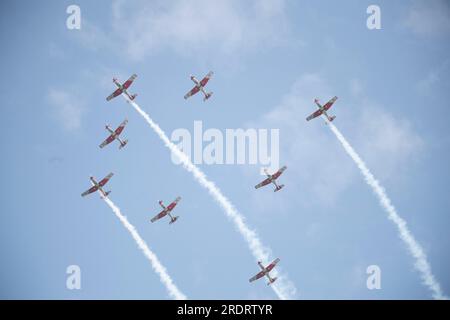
(263, 183)
(257, 276)
(91, 190)
(192, 92)
(314, 115)
(279, 172)
(206, 79)
(173, 204)
(105, 179)
(128, 83)
(107, 141)
(330, 103)
(121, 127)
(159, 216)
(176, 201)
(114, 94)
(272, 265)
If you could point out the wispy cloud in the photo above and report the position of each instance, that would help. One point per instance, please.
(429, 18)
(67, 109)
(192, 27)
(433, 79)
(94, 38)
(306, 147)
(387, 142)
(208, 29)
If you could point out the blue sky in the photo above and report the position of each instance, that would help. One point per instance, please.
(271, 59)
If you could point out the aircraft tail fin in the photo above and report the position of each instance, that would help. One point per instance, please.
(123, 144)
(173, 219)
(207, 96)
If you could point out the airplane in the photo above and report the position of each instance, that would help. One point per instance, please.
(114, 135)
(323, 110)
(166, 211)
(122, 88)
(271, 179)
(265, 272)
(199, 86)
(98, 186)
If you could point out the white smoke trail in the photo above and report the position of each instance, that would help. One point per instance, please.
(283, 288)
(414, 247)
(172, 289)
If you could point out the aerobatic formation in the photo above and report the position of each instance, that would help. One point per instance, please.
(199, 86)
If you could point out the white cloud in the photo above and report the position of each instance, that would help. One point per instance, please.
(94, 38)
(386, 142)
(318, 168)
(306, 147)
(192, 27)
(67, 109)
(429, 18)
(433, 78)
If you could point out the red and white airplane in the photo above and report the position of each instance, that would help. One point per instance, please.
(114, 135)
(98, 186)
(271, 179)
(122, 88)
(265, 272)
(200, 86)
(166, 211)
(323, 110)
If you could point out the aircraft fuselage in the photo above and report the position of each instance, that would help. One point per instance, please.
(266, 273)
(95, 183)
(118, 84)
